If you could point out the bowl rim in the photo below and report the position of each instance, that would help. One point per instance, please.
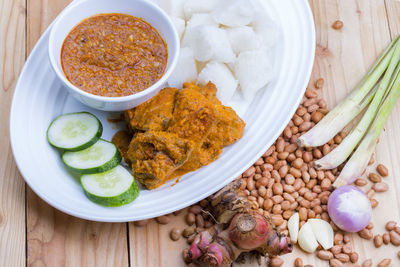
(168, 71)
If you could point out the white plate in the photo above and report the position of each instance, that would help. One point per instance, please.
(39, 98)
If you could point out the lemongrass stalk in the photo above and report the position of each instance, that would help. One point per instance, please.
(343, 151)
(348, 108)
(360, 158)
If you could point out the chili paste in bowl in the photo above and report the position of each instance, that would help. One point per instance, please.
(114, 55)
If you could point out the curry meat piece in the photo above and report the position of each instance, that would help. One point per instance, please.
(154, 114)
(183, 131)
(228, 127)
(209, 91)
(155, 155)
(194, 116)
(122, 140)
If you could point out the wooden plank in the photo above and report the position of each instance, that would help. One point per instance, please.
(151, 245)
(12, 188)
(393, 11)
(342, 58)
(54, 238)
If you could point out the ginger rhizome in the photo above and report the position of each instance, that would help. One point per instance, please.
(240, 228)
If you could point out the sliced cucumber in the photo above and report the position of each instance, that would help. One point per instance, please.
(100, 157)
(74, 131)
(112, 188)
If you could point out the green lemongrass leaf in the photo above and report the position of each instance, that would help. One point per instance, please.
(343, 151)
(360, 158)
(350, 107)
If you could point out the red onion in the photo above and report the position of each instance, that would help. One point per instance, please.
(349, 208)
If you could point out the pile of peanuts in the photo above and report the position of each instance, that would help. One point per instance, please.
(284, 181)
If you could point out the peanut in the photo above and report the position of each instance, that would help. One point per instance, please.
(354, 257)
(390, 225)
(346, 248)
(370, 193)
(378, 241)
(141, 223)
(374, 203)
(342, 257)
(319, 83)
(382, 170)
(394, 238)
(338, 239)
(188, 231)
(196, 209)
(335, 263)
(298, 262)
(365, 233)
(346, 238)
(175, 234)
(360, 182)
(380, 187)
(367, 263)
(163, 219)
(190, 218)
(325, 255)
(386, 238)
(384, 263)
(337, 25)
(375, 178)
(277, 220)
(276, 262)
(336, 249)
(277, 189)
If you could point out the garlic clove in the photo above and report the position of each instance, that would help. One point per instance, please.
(323, 232)
(293, 226)
(306, 238)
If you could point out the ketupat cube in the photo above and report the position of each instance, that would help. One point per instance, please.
(253, 71)
(179, 25)
(265, 28)
(243, 39)
(222, 77)
(198, 6)
(209, 43)
(174, 8)
(185, 70)
(234, 13)
(201, 19)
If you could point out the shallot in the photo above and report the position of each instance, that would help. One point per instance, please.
(349, 208)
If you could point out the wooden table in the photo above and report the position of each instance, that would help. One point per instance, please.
(33, 233)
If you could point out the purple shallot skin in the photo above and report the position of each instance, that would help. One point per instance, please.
(349, 208)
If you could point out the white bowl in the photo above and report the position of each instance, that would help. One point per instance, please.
(146, 10)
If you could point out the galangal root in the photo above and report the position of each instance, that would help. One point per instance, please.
(240, 229)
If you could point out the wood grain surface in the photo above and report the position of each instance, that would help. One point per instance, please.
(12, 188)
(36, 234)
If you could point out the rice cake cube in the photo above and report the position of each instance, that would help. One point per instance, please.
(242, 39)
(201, 19)
(198, 6)
(185, 70)
(219, 74)
(265, 28)
(179, 25)
(234, 13)
(209, 43)
(174, 8)
(253, 70)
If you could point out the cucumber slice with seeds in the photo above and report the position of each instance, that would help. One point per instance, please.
(100, 157)
(113, 188)
(74, 131)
